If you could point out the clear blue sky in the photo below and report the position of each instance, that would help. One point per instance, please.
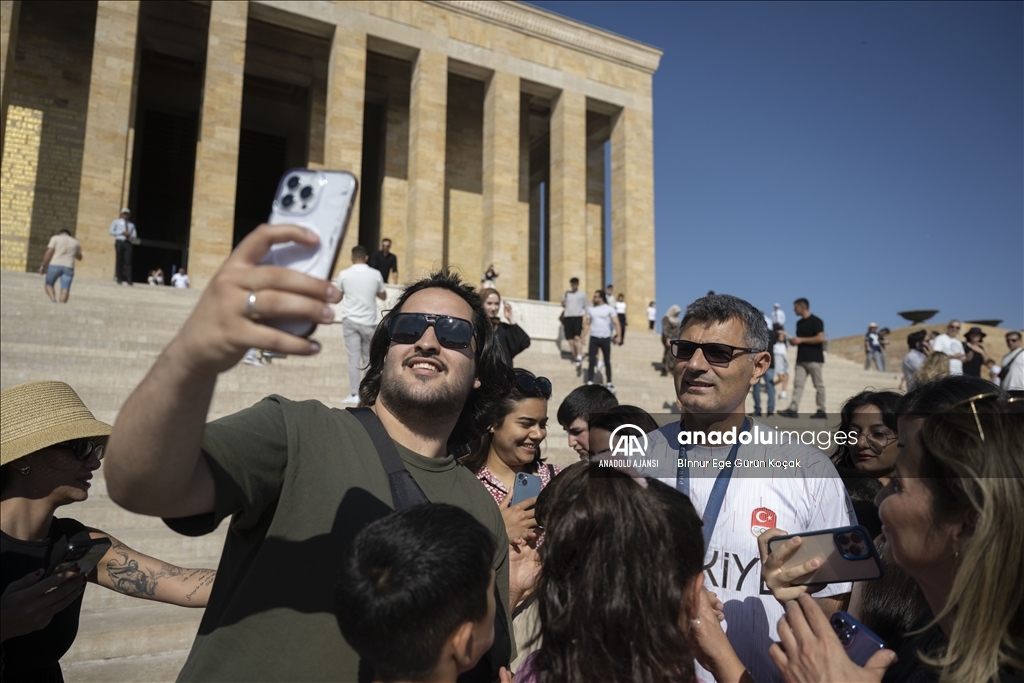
(868, 156)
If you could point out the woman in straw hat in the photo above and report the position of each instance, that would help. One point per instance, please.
(51, 445)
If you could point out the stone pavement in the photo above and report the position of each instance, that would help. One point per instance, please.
(103, 342)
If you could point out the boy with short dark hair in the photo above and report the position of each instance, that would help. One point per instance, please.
(575, 411)
(416, 597)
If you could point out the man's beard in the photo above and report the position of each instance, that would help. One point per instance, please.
(412, 403)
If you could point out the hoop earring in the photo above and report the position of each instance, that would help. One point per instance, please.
(26, 469)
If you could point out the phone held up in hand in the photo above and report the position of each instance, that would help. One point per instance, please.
(525, 487)
(86, 553)
(857, 639)
(845, 554)
(320, 201)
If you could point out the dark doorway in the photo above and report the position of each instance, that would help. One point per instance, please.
(162, 193)
(374, 142)
(172, 41)
(262, 159)
(283, 92)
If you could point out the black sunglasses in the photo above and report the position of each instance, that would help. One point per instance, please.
(715, 354)
(529, 385)
(83, 449)
(451, 333)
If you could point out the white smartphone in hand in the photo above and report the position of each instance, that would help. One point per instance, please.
(320, 201)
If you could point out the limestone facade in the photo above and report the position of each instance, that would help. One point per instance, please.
(480, 132)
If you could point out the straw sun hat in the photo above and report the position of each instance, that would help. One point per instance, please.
(36, 415)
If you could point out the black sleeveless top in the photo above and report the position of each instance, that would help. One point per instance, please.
(36, 656)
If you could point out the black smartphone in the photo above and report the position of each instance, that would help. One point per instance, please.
(846, 554)
(859, 641)
(86, 553)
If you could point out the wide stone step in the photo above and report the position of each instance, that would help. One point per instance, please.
(159, 668)
(151, 628)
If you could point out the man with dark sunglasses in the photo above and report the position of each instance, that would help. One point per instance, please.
(723, 350)
(299, 479)
(1011, 374)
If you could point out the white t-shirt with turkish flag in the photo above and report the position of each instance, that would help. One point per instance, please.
(807, 498)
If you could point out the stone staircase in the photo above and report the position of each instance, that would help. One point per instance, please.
(104, 341)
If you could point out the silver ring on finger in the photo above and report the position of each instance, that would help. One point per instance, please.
(250, 306)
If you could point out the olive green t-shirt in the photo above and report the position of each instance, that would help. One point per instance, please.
(299, 481)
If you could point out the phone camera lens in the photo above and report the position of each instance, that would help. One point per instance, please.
(306, 192)
(855, 537)
(293, 182)
(287, 200)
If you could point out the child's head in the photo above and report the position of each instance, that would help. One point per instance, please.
(417, 593)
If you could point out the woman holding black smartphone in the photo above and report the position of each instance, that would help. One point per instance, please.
(951, 514)
(51, 446)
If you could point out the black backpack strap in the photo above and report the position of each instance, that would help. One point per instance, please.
(405, 492)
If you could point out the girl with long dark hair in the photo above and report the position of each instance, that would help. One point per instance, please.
(512, 444)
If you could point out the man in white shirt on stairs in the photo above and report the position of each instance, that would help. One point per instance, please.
(360, 286)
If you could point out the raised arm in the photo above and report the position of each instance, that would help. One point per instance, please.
(154, 463)
(128, 571)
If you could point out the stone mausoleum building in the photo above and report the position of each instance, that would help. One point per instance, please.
(481, 132)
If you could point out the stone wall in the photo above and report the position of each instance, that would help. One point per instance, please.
(45, 130)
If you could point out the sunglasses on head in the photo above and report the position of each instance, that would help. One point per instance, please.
(715, 354)
(451, 333)
(529, 385)
(982, 399)
(83, 449)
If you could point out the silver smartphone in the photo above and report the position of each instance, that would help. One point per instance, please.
(320, 201)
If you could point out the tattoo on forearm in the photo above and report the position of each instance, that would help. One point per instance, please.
(203, 578)
(127, 577)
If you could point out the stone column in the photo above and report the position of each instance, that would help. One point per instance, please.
(506, 236)
(595, 214)
(216, 174)
(10, 11)
(343, 134)
(633, 210)
(428, 102)
(106, 134)
(567, 237)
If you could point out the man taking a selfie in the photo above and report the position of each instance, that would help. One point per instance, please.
(300, 479)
